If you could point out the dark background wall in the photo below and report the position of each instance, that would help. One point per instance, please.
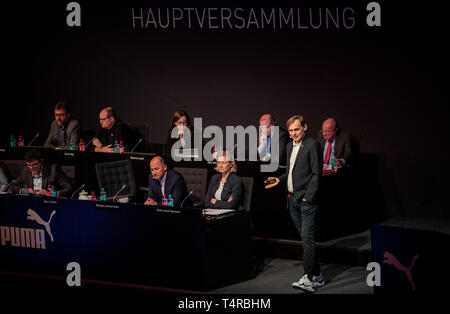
(386, 85)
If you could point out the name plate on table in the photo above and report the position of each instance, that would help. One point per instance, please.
(167, 210)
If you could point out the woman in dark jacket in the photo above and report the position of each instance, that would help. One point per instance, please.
(225, 189)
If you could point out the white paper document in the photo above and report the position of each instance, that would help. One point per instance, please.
(217, 212)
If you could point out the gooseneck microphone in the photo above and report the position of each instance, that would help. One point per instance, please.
(89, 142)
(5, 187)
(78, 190)
(114, 198)
(34, 138)
(192, 191)
(136, 145)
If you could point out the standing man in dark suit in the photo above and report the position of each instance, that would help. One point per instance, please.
(163, 181)
(38, 175)
(304, 170)
(63, 130)
(332, 139)
(267, 141)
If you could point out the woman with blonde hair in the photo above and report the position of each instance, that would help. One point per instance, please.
(225, 188)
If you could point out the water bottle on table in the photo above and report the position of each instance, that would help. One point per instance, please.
(102, 194)
(164, 201)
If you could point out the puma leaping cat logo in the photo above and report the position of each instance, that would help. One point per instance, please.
(392, 260)
(32, 215)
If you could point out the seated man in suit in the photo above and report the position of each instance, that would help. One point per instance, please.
(63, 130)
(332, 139)
(225, 189)
(267, 141)
(38, 175)
(163, 181)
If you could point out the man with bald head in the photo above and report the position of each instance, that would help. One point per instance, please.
(163, 181)
(333, 139)
(267, 140)
(112, 129)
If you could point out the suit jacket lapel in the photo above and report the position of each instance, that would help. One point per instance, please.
(167, 184)
(45, 176)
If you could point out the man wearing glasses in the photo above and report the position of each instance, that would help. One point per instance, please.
(112, 129)
(334, 140)
(63, 129)
(38, 175)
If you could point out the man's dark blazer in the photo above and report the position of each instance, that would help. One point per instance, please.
(307, 170)
(343, 147)
(73, 133)
(174, 186)
(232, 187)
(51, 174)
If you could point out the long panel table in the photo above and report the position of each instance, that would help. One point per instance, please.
(125, 243)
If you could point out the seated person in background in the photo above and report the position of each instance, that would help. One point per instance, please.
(266, 139)
(38, 174)
(112, 129)
(332, 139)
(225, 189)
(63, 130)
(163, 181)
(181, 121)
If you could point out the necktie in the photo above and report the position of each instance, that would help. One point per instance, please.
(327, 154)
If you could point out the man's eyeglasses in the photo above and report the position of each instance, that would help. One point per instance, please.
(33, 164)
(103, 119)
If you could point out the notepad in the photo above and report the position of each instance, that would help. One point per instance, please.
(217, 212)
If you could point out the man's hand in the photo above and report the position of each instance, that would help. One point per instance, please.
(213, 201)
(230, 199)
(340, 163)
(105, 149)
(97, 143)
(29, 190)
(42, 192)
(268, 186)
(150, 201)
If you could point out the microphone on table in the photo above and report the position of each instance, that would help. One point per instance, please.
(5, 187)
(34, 138)
(78, 190)
(192, 191)
(119, 191)
(136, 145)
(89, 143)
